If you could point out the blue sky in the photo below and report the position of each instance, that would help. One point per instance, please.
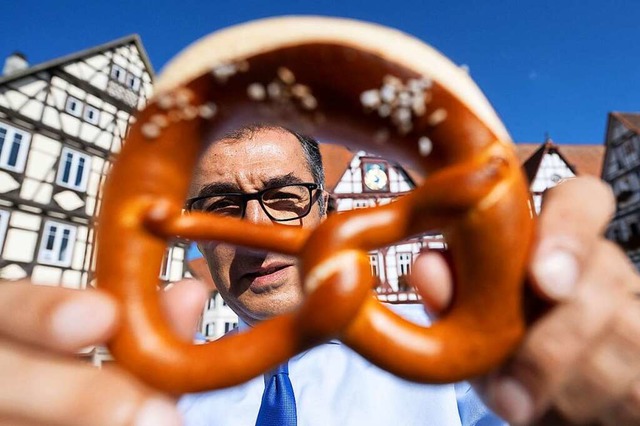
(547, 66)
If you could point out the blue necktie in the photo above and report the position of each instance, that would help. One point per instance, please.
(278, 406)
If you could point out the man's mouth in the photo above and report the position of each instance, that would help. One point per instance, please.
(267, 278)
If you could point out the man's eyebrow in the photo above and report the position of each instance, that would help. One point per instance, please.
(217, 188)
(287, 179)
(227, 188)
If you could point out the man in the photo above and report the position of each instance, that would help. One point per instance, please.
(332, 384)
(580, 358)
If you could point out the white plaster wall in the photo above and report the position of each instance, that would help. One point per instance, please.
(24, 220)
(72, 279)
(36, 190)
(46, 275)
(550, 165)
(20, 245)
(219, 315)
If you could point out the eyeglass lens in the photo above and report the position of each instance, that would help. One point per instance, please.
(283, 203)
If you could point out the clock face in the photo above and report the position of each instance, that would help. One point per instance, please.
(375, 177)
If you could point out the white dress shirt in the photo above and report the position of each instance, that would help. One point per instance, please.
(333, 385)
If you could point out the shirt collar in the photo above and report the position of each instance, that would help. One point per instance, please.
(243, 326)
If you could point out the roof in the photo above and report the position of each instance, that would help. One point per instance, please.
(133, 38)
(584, 159)
(336, 159)
(630, 120)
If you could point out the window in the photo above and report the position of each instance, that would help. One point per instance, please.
(404, 263)
(4, 222)
(73, 106)
(118, 73)
(91, 114)
(373, 262)
(14, 144)
(165, 267)
(211, 303)
(129, 80)
(210, 329)
(228, 326)
(133, 82)
(56, 246)
(631, 153)
(73, 171)
(360, 204)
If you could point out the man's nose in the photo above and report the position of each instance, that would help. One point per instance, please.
(255, 213)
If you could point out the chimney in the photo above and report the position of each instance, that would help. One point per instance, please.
(15, 62)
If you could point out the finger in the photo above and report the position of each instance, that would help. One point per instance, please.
(49, 390)
(431, 277)
(554, 345)
(56, 318)
(627, 410)
(573, 218)
(606, 371)
(184, 301)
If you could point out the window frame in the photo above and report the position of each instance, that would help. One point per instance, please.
(229, 325)
(76, 156)
(210, 329)
(53, 256)
(88, 109)
(5, 216)
(374, 264)
(399, 263)
(121, 76)
(71, 100)
(165, 265)
(23, 148)
(132, 82)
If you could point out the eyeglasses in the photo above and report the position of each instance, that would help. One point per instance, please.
(280, 203)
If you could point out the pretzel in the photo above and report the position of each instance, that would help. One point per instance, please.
(348, 82)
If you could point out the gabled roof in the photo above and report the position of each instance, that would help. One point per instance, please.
(584, 159)
(630, 120)
(336, 159)
(581, 159)
(133, 38)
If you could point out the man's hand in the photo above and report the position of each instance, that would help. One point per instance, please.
(582, 358)
(43, 382)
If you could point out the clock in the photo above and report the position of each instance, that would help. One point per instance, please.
(375, 177)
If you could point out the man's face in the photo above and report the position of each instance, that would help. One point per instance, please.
(255, 284)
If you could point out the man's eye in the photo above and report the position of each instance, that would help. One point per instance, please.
(223, 207)
(285, 195)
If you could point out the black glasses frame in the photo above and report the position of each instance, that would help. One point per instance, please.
(245, 197)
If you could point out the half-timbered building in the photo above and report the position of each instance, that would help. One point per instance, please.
(357, 180)
(370, 181)
(547, 164)
(62, 123)
(621, 170)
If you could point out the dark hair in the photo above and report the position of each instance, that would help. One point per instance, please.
(310, 148)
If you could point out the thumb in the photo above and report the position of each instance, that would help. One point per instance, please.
(431, 278)
(183, 301)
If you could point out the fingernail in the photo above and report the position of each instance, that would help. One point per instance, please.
(556, 273)
(511, 401)
(81, 320)
(158, 412)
